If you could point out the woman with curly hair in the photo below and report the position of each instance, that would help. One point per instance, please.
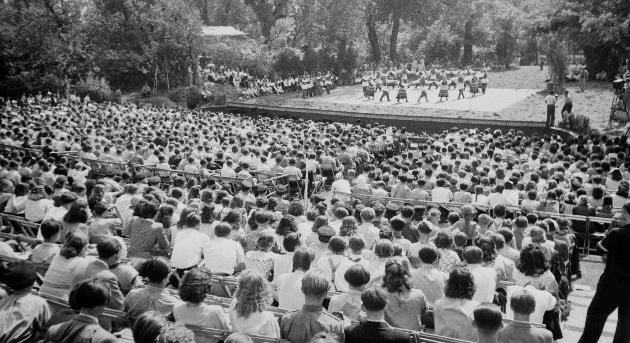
(192, 309)
(317, 223)
(165, 217)
(262, 259)
(533, 269)
(405, 306)
(503, 266)
(348, 227)
(286, 225)
(248, 312)
(75, 219)
(448, 258)
(453, 315)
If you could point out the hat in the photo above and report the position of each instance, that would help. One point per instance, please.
(419, 208)
(18, 275)
(37, 189)
(393, 206)
(325, 232)
(397, 223)
(281, 189)
(318, 197)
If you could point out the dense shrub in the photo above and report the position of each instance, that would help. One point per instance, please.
(245, 55)
(96, 88)
(189, 96)
(288, 62)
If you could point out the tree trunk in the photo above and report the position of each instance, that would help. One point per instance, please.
(265, 29)
(373, 38)
(204, 12)
(393, 39)
(468, 45)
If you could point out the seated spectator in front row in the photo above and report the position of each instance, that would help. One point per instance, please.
(90, 297)
(348, 304)
(23, 315)
(454, 314)
(485, 277)
(248, 311)
(70, 260)
(44, 252)
(289, 294)
(374, 329)
(301, 326)
(406, 307)
(152, 297)
(192, 309)
(488, 320)
(523, 304)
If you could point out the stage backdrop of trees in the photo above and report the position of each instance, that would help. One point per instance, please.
(51, 44)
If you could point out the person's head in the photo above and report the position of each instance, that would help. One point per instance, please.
(291, 242)
(374, 299)
(251, 294)
(156, 271)
(522, 302)
(324, 337)
(348, 226)
(357, 276)
(428, 255)
(384, 248)
(337, 245)
(468, 212)
(109, 250)
(488, 320)
(532, 261)
(223, 229)
(195, 286)
(237, 337)
(486, 244)
(315, 286)
(302, 259)
(90, 295)
(460, 284)
(472, 255)
(286, 225)
(18, 276)
(507, 235)
(50, 230)
(176, 333)
(265, 242)
(75, 244)
(396, 279)
(77, 213)
(367, 214)
(148, 326)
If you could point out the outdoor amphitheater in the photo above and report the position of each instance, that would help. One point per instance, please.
(314, 172)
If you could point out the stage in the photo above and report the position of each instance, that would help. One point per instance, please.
(347, 104)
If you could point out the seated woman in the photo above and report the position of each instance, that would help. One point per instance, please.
(262, 259)
(533, 269)
(154, 296)
(290, 294)
(70, 261)
(454, 314)
(349, 303)
(405, 306)
(37, 204)
(75, 219)
(192, 310)
(248, 312)
(101, 226)
(146, 237)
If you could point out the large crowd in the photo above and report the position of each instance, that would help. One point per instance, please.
(451, 233)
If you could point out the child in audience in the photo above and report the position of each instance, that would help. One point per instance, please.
(45, 251)
(348, 304)
(192, 309)
(488, 321)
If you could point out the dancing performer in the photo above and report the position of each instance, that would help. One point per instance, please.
(474, 86)
(423, 92)
(385, 93)
(444, 87)
(402, 93)
(484, 82)
(460, 87)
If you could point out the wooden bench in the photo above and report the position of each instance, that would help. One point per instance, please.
(20, 224)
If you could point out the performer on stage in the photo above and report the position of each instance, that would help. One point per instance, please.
(484, 82)
(305, 85)
(385, 93)
(444, 89)
(423, 92)
(402, 93)
(328, 83)
(460, 87)
(474, 86)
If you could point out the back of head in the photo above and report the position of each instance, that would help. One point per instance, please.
(315, 284)
(89, 294)
(108, 247)
(49, 228)
(302, 259)
(396, 277)
(460, 284)
(155, 269)
(18, 275)
(222, 229)
(75, 242)
(176, 333)
(488, 318)
(357, 276)
(238, 337)
(522, 302)
(148, 327)
(374, 299)
(428, 255)
(195, 286)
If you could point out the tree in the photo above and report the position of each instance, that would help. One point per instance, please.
(268, 12)
(372, 34)
(505, 23)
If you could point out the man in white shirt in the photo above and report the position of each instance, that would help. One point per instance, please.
(485, 277)
(545, 301)
(340, 185)
(222, 255)
(188, 244)
(334, 263)
(550, 100)
(440, 193)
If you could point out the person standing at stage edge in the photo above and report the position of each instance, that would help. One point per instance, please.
(550, 100)
(612, 288)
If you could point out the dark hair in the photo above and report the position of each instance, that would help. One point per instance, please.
(357, 275)
(428, 255)
(488, 318)
(49, 228)
(222, 229)
(507, 234)
(74, 243)
(291, 241)
(443, 240)
(296, 209)
(155, 269)
(460, 284)
(384, 248)
(532, 261)
(90, 294)
(486, 244)
(374, 299)
(396, 277)
(195, 286)
(337, 245)
(108, 247)
(77, 213)
(148, 326)
(192, 220)
(148, 210)
(302, 259)
(286, 225)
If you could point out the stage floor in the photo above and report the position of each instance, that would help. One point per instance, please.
(494, 105)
